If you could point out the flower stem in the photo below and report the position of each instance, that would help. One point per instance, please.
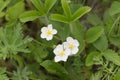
(46, 19)
(41, 43)
(113, 26)
(71, 27)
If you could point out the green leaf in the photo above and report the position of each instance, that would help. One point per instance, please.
(3, 75)
(2, 14)
(93, 34)
(115, 8)
(14, 11)
(92, 58)
(49, 4)
(29, 16)
(39, 6)
(39, 52)
(94, 19)
(102, 43)
(115, 41)
(3, 4)
(77, 32)
(112, 56)
(58, 17)
(13, 41)
(80, 12)
(55, 68)
(21, 74)
(66, 8)
(117, 75)
(64, 31)
(96, 76)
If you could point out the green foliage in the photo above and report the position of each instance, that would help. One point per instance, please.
(38, 52)
(3, 5)
(39, 6)
(12, 41)
(93, 34)
(66, 8)
(102, 43)
(112, 56)
(3, 75)
(94, 19)
(80, 12)
(29, 16)
(21, 74)
(114, 32)
(96, 76)
(115, 8)
(49, 4)
(117, 75)
(69, 18)
(55, 69)
(26, 56)
(93, 58)
(59, 17)
(42, 10)
(14, 11)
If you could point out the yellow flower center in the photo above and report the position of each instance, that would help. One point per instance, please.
(61, 53)
(71, 46)
(49, 32)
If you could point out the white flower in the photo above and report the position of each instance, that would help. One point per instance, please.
(48, 32)
(61, 54)
(72, 45)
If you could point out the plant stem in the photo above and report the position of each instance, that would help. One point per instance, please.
(113, 26)
(114, 71)
(71, 27)
(46, 19)
(57, 37)
(41, 43)
(105, 76)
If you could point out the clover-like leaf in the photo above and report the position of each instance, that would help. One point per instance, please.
(92, 58)
(80, 12)
(29, 16)
(115, 8)
(54, 68)
(66, 8)
(94, 33)
(14, 11)
(59, 17)
(102, 43)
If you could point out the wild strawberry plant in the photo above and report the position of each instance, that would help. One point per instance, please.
(59, 40)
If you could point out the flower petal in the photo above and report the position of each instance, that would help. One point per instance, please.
(75, 50)
(69, 39)
(67, 52)
(57, 49)
(49, 37)
(54, 31)
(43, 35)
(43, 29)
(58, 58)
(76, 43)
(50, 27)
(65, 44)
